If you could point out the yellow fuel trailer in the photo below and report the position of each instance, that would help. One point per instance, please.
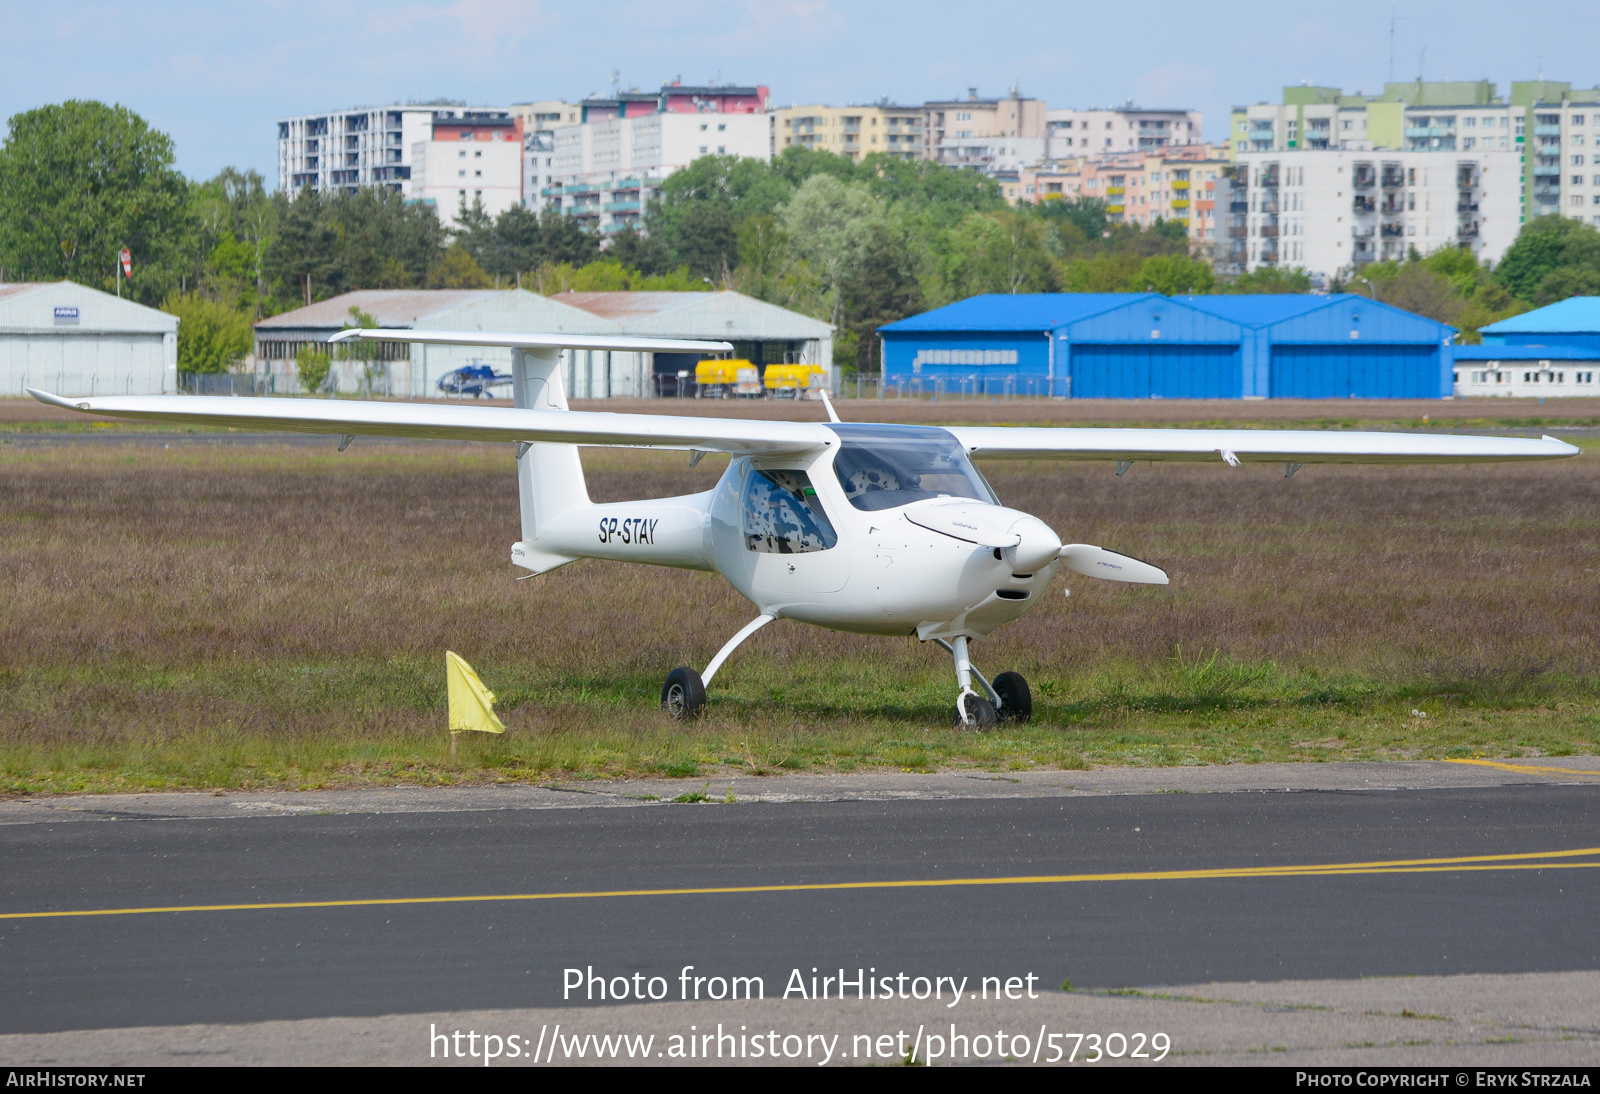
(714, 378)
(794, 381)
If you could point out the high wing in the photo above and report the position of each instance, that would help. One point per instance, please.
(431, 421)
(1287, 446)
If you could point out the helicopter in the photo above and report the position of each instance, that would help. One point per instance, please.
(874, 529)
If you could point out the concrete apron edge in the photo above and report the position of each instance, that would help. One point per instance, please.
(855, 787)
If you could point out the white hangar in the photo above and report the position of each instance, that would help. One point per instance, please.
(66, 337)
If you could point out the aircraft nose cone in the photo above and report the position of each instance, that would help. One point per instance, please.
(1040, 545)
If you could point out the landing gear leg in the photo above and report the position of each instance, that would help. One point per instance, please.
(1009, 695)
(683, 696)
(973, 711)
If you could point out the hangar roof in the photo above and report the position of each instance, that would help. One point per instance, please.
(511, 310)
(1257, 309)
(1295, 317)
(31, 306)
(1018, 312)
(725, 314)
(1579, 315)
(1526, 353)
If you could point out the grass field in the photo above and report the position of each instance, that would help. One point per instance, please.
(219, 615)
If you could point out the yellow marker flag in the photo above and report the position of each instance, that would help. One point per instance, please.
(471, 704)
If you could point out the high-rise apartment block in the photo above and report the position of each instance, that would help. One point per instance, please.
(850, 131)
(1097, 132)
(1186, 184)
(1333, 212)
(386, 146)
(345, 150)
(1532, 152)
(950, 127)
(604, 169)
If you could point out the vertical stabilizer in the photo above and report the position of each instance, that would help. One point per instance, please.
(549, 476)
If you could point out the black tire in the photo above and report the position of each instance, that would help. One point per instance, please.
(1016, 701)
(980, 714)
(683, 696)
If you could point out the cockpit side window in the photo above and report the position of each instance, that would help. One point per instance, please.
(782, 515)
(885, 467)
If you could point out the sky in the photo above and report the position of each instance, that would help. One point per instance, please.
(217, 76)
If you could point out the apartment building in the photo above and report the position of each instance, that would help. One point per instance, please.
(466, 152)
(678, 98)
(349, 149)
(850, 131)
(604, 173)
(473, 156)
(1334, 212)
(543, 115)
(957, 121)
(1548, 122)
(1190, 184)
(1564, 152)
(1071, 132)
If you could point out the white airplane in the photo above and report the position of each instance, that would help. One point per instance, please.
(866, 528)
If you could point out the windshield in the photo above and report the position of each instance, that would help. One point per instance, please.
(887, 466)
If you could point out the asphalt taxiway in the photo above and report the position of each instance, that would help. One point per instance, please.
(182, 909)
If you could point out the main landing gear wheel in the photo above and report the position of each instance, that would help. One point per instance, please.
(1016, 701)
(973, 711)
(683, 696)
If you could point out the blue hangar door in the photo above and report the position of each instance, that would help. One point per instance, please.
(1138, 371)
(1354, 372)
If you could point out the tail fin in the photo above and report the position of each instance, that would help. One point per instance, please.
(549, 476)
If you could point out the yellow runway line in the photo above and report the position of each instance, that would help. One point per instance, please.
(1530, 769)
(1533, 860)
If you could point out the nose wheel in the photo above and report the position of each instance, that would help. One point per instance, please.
(975, 712)
(1006, 700)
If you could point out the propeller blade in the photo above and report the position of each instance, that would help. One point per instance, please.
(1093, 561)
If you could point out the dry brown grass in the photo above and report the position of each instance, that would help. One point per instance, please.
(277, 616)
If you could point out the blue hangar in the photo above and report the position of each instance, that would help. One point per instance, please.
(1145, 345)
(1574, 322)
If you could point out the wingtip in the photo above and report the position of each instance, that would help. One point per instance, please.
(56, 400)
(1571, 449)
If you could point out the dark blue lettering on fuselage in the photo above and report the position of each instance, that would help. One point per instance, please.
(628, 530)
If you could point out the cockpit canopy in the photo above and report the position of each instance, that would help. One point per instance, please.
(887, 466)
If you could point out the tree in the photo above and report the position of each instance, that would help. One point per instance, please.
(1086, 214)
(881, 288)
(1415, 288)
(827, 222)
(327, 244)
(646, 253)
(458, 270)
(999, 252)
(608, 275)
(474, 229)
(1269, 279)
(303, 250)
(311, 367)
(212, 336)
(516, 244)
(79, 181)
(1552, 258)
(565, 240)
(1177, 275)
